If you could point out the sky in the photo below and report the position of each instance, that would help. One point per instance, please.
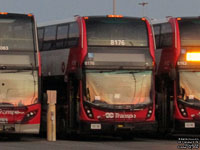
(51, 10)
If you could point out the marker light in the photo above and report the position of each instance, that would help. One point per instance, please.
(143, 19)
(30, 15)
(114, 16)
(178, 18)
(193, 56)
(3, 13)
(85, 18)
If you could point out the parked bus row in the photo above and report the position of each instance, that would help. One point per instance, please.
(113, 75)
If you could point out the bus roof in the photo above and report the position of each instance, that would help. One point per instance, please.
(189, 17)
(56, 22)
(158, 21)
(74, 19)
(107, 16)
(15, 14)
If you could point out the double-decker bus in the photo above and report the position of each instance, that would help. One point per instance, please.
(103, 70)
(19, 74)
(177, 54)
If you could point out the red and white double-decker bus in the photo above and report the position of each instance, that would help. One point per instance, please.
(19, 74)
(103, 70)
(178, 51)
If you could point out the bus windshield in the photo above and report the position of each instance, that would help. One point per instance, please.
(18, 88)
(189, 86)
(190, 32)
(16, 33)
(118, 87)
(116, 32)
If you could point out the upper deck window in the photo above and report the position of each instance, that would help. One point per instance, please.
(73, 34)
(190, 32)
(40, 37)
(163, 35)
(59, 36)
(16, 33)
(49, 37)
(50, 33)
(116, 32)
(62, 36)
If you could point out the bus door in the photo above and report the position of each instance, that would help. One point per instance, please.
(74, 97)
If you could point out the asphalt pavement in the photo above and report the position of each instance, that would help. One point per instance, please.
(92, 143)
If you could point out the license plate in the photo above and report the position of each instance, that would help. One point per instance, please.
(95, 126)
(3, 120)
(189, 125)
(7, 127)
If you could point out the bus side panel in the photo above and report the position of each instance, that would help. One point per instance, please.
(54, 62)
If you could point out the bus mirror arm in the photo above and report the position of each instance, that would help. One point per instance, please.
(172, 73)
(78, 74)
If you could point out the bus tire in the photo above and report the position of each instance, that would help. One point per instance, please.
(62, 129)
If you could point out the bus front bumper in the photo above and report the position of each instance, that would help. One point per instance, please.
(20, 128)
(187, 126)
(103, 128)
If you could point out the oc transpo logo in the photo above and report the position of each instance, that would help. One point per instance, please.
(111, 115)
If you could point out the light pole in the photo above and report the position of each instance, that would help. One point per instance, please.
(143, 5)
(114, 7)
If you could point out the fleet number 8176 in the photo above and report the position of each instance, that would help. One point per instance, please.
(117, 42)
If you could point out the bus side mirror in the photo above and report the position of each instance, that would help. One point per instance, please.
(78, 74)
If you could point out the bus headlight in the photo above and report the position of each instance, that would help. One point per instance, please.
(88, 111)
(182, 110)
(149, 113)
(29, 116)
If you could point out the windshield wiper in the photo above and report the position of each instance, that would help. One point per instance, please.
(105, 71)
(129, 72)
(2, 67)
(130, 107)
(99, 102)
(120, 71)
(5, 104)
(12, 71)
(16, 67)
(191, 102)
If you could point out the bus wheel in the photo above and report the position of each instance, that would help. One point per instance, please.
(62, 129)
(163, 113)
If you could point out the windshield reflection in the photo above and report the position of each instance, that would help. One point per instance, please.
(18, 88)
(16, 34)
(190, 87)
(118, 87)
